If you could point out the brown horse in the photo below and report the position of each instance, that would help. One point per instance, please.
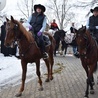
(28, 50)
(88, 51)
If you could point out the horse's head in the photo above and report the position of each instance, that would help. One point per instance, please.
(11, 29)
(81, 37)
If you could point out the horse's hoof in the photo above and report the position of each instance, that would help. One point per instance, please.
(18, 95)
(92, 92)
(41, 89)
(86, 96)
(51, 78)
(47, 80)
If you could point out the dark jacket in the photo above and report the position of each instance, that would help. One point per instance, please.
(72, 30)
(54, 26)
(93, 21)
(36, 22)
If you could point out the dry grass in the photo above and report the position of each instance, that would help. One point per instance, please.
(58, 69)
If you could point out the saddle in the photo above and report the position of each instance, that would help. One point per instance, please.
(46, 41)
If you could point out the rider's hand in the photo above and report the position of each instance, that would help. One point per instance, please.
(39, 33)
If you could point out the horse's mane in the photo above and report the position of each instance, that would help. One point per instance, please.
(26, 33)
(89, 36)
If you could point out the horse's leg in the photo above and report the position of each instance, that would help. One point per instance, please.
(87, 80)
(91, 85)
(55, 51)
(48, 69)
(24, 70)
(56, 47)
(51, 61)
(39, 74)
(92, 69)
(66, 46)
(87, 88)
(62, 48)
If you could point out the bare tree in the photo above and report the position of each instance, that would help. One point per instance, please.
(88, 4)
(26, 7)
(61, 10)
(3, 15)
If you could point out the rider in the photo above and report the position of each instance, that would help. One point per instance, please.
(73, 30)
(92, 23)
(54, 25)
(38, 22)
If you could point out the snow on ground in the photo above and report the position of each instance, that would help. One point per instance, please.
(10, 71)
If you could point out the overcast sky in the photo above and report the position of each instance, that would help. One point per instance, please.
(11, 6)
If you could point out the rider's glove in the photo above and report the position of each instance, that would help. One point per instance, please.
(39, 33)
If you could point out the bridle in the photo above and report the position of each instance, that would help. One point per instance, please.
(86, 46)
(17, 39)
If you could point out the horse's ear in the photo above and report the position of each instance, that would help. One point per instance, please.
(7, 19)
(84, 28)
(12, 19)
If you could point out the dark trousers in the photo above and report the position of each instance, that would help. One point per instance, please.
(39, 40)
(41, 43)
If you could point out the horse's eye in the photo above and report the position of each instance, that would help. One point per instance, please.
(8, 24)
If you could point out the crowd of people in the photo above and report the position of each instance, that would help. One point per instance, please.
(38, 22)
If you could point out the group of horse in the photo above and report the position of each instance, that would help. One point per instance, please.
(30, 52)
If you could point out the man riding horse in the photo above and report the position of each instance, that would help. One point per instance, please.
(54, 26)
(38, 22)
(92, 23)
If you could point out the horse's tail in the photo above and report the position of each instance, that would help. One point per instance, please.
(53, 43)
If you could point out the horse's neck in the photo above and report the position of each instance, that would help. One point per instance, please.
(24, 43)
(91, 40)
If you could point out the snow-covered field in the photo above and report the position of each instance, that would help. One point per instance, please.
(10, 71)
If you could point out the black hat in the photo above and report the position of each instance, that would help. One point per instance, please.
(39, 6)
(95, 9)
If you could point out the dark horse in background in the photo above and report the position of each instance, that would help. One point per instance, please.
(88, 51)
(60, 36)
(28, 50)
